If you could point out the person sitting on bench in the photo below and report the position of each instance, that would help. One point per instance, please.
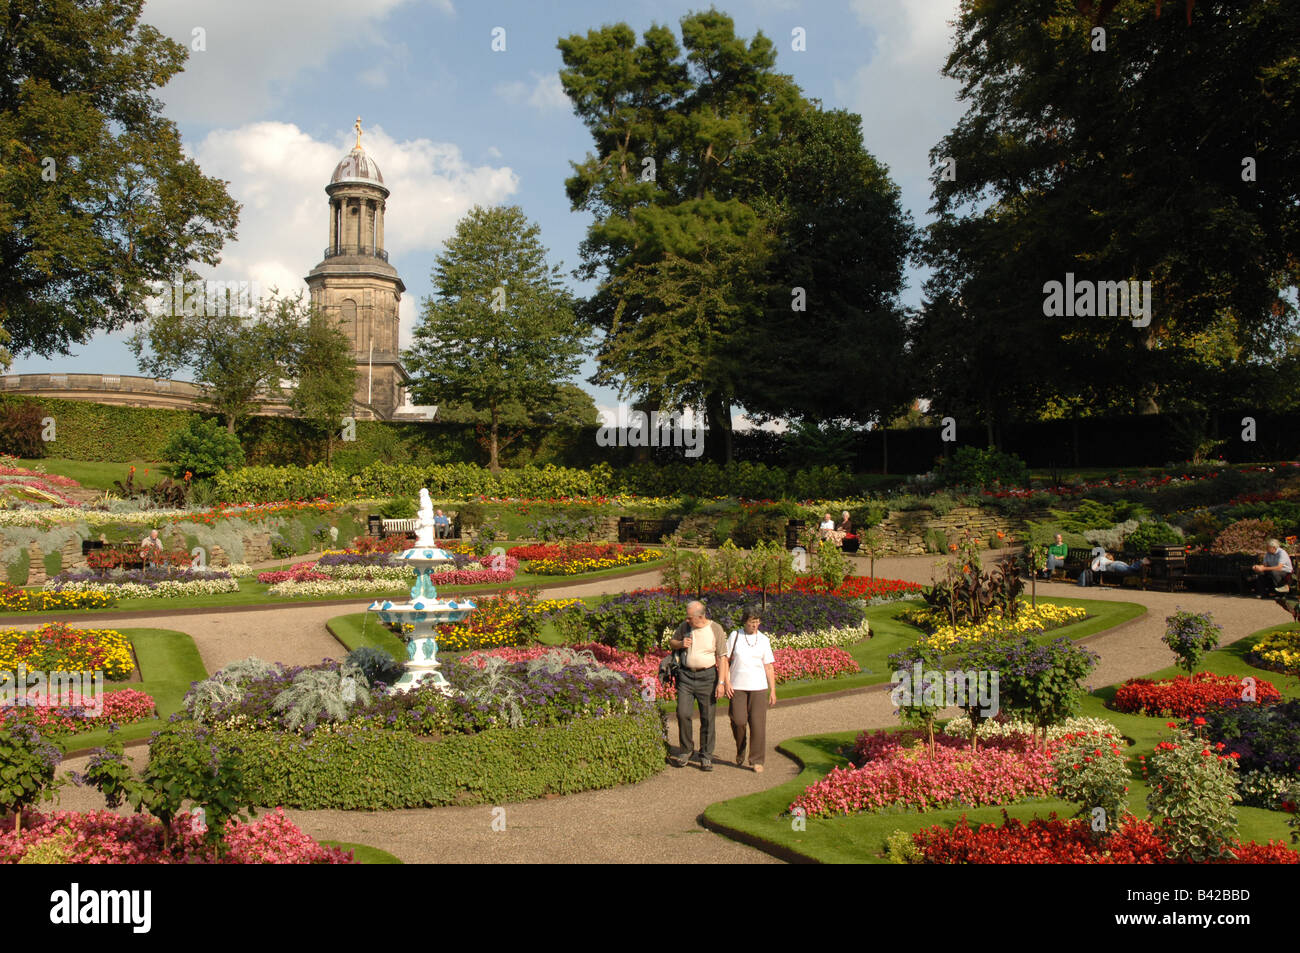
(1272, 572)
(1105, 562)
(441, 525)
(1056, 554)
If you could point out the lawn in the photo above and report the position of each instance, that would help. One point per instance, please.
(859, 838)
(99, 475)
(169, 662)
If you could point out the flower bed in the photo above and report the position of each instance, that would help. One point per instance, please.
(58, 647)
(1028, 621)
(119, 708)
(327, 588)
(506, 619)
(877, 591)
(1184, 696)
(571, 559)
(790, 664)
(152, 582)
(103, 837)
(13, 599)
(1277, 652)
(990, 728)
(1266, 740)
(1053, 841)
(635, 621)
(916, 779)
(301, 572)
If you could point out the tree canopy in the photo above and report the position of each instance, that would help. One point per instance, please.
(97, 201)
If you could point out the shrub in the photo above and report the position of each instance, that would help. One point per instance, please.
(1091, 772)
(1151, 533)
(1192, 791)
(1244, 536)
(375, 769)
(376, 664)
(1190, 635)
(20, 430)
(399, 508)
(972, 466)
(28, 769)
(1265, 737)
(204, 449)
(1039, 681)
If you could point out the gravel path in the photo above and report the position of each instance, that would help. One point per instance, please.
(657, 820)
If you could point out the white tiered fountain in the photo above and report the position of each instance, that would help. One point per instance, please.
(425, 610)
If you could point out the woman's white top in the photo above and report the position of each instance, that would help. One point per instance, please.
(748, 654)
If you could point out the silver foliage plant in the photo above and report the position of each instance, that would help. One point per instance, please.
(322, 695)
(491, 685)
(225, 687)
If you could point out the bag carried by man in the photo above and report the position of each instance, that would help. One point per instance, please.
(671, 664)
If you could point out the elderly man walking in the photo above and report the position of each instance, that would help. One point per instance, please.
(702, 678)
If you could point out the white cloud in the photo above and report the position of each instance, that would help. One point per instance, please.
(255, 49)
(906, 104)
(279, 173)
(375, 78)
(544, 93)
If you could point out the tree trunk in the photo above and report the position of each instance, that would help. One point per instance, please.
(717, 411)
(230, 423)
(493, 464)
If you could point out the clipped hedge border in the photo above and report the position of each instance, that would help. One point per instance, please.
(386, 770)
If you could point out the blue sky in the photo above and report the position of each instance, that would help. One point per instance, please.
(269, 106)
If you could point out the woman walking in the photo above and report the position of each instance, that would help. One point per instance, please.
(751, 686)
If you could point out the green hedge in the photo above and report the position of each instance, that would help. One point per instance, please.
(90, 431)
(385, 770)
(466, 481)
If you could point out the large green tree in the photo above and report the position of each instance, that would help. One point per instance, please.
(1167, 156)
(234, 357)
(97, 201)
(499, 336)
(324, 376)
(679, 253)
(736, 224)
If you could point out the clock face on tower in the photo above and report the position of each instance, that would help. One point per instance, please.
(355, 284)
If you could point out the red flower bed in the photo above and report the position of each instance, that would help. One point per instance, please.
(119, 708)
(102, 837)
(1183, 697)
(860, 587)
(1054, 841)
(572, 552)
(301, 572)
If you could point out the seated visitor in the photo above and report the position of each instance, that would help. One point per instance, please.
(151, 547)
(826, 528)
(1056, 554)
(1272, 571)
(441, 525)
(1105, 562)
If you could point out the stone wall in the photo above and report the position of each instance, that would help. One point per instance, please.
(905, 531)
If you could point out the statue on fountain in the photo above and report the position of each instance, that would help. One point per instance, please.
(424, 521)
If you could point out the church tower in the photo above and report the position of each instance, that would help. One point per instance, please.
(357, 286)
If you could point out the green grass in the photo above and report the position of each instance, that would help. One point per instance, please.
(859, 838)
(364, 853)
(98, 475)
(169, 662)
(359, 629)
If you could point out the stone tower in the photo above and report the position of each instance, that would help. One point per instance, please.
(356, 285)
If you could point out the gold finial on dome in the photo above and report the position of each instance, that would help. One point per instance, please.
(357, 126)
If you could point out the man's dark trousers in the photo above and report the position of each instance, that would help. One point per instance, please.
(693, 686)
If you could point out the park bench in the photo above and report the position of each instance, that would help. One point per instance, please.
(1211, 570)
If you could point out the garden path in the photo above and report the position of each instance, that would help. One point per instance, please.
(656, 821)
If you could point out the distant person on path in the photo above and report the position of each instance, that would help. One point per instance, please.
(1056, 554)
(1272, 571)
(701, 679)
(751, 687)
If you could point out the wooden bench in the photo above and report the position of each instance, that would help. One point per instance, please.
(634, 530)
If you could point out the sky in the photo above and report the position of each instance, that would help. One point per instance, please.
(268, 104)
